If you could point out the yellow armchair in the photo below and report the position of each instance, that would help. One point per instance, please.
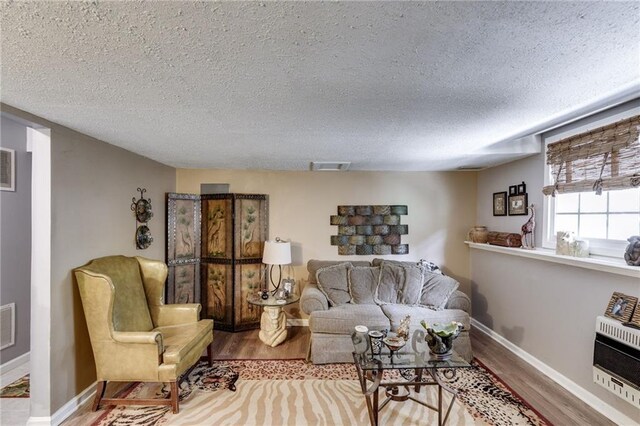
(136, 337)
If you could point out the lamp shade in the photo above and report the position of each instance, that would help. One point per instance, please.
(276, 253)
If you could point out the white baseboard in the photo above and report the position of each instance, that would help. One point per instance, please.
(571, 386)
(298, 322)
(14, 363)
(66, 410)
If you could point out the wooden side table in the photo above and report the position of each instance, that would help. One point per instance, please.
(273, 323)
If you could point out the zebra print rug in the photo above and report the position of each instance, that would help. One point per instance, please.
(293, 392)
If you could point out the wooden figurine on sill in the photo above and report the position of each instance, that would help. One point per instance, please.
(528, 230)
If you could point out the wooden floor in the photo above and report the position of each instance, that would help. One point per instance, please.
(551, 400)
(247, 345)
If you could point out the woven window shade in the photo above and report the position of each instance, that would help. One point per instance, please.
(603, 159)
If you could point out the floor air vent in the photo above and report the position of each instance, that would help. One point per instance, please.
(7, 325)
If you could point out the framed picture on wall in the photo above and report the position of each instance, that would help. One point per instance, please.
(621, 306)
(500, 203)
(513, 190)
(7, 169)
(522, 188)
(518, 205)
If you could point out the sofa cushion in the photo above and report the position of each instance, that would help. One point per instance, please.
(437, 289)
(342, 319)
(313, 265)
(397, 313)
(399, 284)
(363, 281)
(333, 281)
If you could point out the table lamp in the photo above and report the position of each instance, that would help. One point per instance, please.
(276, 252)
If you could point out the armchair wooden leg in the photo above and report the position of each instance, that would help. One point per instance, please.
(99, 394)
(174, 397)
(210, 354)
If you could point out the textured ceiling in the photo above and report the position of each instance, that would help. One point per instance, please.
(275, 85)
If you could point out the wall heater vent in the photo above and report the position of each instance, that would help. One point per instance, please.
(616, 359)
(615, 330)
(7, 325)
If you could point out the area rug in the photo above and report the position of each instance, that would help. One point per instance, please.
(293, 392)
(17, 389)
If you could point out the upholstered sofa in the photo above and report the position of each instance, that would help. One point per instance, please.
(331, 326)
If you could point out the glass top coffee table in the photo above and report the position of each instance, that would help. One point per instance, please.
(411, 362)
(273, 323)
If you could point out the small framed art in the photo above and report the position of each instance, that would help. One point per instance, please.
(500, 203)
(522, 188)
(513, 190)
(7, 169)
(518, 205)
(621, 307)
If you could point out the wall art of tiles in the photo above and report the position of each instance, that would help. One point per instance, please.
(369, 230)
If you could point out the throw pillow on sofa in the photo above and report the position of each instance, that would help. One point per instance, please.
(428, 266)
(399, 284)
(363, 281)
(437, 289)
(333, 281)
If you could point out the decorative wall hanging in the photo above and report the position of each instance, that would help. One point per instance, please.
(365, 230)
(214, 253)
(7, 169)
(500, 203)
(518, 205)
(142, 211)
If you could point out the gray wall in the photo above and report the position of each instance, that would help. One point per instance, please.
(15, 236)
(92, 187)
(549, 310)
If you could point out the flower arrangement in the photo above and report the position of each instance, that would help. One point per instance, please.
(440, 337)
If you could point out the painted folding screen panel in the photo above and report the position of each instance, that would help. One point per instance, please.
(183, 248)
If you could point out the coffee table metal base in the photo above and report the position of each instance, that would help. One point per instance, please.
(371, 381)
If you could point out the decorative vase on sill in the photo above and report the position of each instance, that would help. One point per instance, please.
(478, 234)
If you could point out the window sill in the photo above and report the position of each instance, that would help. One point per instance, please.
(611, 265)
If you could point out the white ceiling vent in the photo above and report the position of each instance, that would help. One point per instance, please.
(330, 166)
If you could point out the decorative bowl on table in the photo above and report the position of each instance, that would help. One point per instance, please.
(440, 338)
(394, 343)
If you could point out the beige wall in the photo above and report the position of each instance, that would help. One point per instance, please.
(441, 209)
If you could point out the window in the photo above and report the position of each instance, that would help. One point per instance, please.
(614, 215)
(602, 156)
